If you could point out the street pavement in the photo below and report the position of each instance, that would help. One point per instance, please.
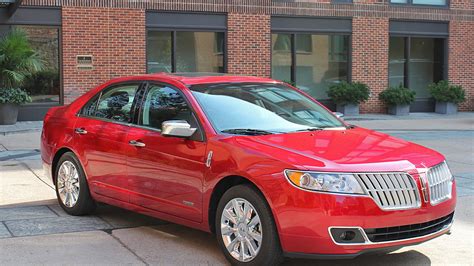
(35, 230)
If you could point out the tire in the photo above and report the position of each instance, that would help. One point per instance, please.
(245, 230)
(83, 204)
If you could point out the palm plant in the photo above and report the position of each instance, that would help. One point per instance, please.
(18, 59)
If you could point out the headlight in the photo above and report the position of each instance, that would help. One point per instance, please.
(326, 182)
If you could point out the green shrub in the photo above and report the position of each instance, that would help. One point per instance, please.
(349, 93)
(14, 95)
(18, 59)
(397, 96)
(292, 83)
(43, 82)
(445, 92)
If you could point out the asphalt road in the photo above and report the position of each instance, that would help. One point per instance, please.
(34, 230)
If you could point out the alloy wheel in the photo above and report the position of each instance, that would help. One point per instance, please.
(68, 184)
(241, 230)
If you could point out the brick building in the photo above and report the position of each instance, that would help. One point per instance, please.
(314, 43)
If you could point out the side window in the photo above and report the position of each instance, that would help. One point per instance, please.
(163, 103)
(114, 104)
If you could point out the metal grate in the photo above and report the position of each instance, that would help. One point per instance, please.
(408, 231)
(440, 183)
(391, 191)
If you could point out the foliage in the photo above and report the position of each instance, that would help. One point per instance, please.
(43, 82)
(349, 93)
(14, 95)
(397, 96)
(18, 59)
(445, 92)
(292, 83)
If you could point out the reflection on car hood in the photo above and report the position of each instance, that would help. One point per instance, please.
(356, 149)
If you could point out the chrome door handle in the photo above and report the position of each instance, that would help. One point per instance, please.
(80, 131)
(136, 143)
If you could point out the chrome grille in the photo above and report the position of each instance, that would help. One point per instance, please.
(391, 191)
(440, 183)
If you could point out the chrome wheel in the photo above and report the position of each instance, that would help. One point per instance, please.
(241, 229)
(68, 184)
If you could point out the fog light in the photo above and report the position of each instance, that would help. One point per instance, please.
(347, 235)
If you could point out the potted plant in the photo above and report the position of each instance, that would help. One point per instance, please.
(398, 99)
(18, 60)
(10, 99)
(447, 96)
(348, 96)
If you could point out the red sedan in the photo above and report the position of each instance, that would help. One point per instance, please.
(260, 164)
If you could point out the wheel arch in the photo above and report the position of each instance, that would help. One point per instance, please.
(220, 188)
(56, 158)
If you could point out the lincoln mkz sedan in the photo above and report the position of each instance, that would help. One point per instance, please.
(263, 166)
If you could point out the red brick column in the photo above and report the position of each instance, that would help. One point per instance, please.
(461, 4)
(114, 37)
(461, 59)
(370, 58)
(248, 44)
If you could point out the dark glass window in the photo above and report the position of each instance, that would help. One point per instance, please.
(416, 62)
(421, 2)
(318, 61)
(114, 104)
(185, 51)
(159, 51)
(44, 86)
(163, 103)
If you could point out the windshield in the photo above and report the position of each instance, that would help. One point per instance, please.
(261, 109)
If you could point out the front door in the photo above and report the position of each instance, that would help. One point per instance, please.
(166, 173)
(101, 140)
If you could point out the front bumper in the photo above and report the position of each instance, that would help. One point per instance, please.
(304, 220)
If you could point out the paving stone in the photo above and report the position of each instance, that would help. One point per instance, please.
(82, 248)
(120, 218)
(21, 213)
(44, 226)
(172, 245)
(4, 231)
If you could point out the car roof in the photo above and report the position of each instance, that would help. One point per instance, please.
(206, 78)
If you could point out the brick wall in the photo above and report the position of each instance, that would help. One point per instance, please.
(461, 59)
(114, 37)
(370, 57)
(248, 44)
(461, 4)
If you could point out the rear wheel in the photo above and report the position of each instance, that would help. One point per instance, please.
(72, 189)
(245, 228)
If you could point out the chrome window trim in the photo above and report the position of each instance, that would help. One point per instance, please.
(442, 231)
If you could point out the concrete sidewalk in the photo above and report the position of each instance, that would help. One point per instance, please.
(34, 229)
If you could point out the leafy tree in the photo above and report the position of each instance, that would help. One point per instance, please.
(18, 59)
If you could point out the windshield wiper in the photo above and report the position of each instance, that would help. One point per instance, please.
(247, 131)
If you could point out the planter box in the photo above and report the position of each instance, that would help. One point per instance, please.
(399, 109)
(8, 113)
(348, 109)
(446, 108)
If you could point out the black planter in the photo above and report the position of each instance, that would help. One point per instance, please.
(8, 113)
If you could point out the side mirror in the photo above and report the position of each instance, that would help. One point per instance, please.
(339, 115)
(177, 128)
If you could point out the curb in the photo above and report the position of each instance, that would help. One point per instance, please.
(19, 131)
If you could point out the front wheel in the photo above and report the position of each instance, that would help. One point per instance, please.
(245, 228)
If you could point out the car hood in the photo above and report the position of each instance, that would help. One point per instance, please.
(355, 149)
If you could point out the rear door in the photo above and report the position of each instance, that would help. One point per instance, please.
(101, 139)
(166, 173)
